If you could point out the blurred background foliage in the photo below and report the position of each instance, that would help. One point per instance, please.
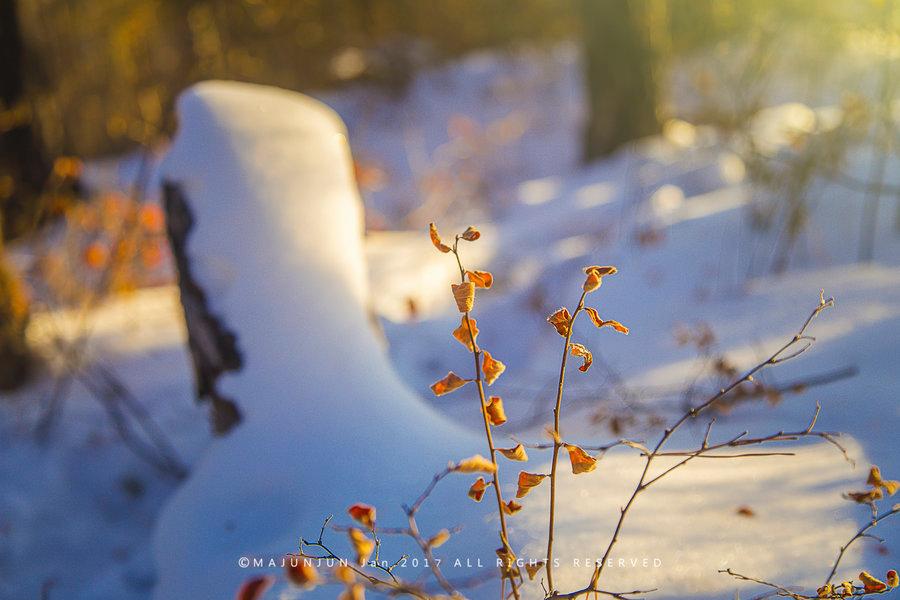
(101, 76)
(89, 78)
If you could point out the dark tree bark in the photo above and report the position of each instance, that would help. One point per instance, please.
(22, 158)
(15, 358)
(213, 347)
(22, 171)
(622, 95)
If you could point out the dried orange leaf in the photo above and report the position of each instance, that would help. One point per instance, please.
(301, 572)
(462, 334)
(560, 319)
(470, 234)
(892, 579)
(507, 561)
(871, 584)
(255, 588)
(481, 279)
(533, 568)
(491, 368)
(512, 507)
(579, 350)
(595, 318)
(615, 325)
(582, 462)
(362, 545)
(875, 480)
(464, 294)
(527, 481)
(344, 574)
(476, 492)
(601, 271)
(592, 281)
(476, 464)
(518, 453)
(495, 411)
(874, 476)
(362, 513)
(436, 238)
(450, 382)
(598, 322)
(356, 591)
(868, 497)
(439, 539)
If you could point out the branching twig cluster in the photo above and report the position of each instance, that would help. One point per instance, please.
(487, 369)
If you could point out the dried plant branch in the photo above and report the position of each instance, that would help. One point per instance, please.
(593, 590)
(601, 449)
(117, 400)
(847, 589)
(557, 442)
(859, 534)
(797, 344)
(779, 590)
(739, 440)
(479, 383)
(781, 436)
(393, 586)
(413, 531)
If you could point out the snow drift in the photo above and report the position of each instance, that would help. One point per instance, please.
(277, 246)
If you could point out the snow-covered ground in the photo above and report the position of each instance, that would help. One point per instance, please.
(77, 510)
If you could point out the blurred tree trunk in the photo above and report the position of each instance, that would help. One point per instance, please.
(22, 172)
(15, 358)
(619, 61)
(22, 161)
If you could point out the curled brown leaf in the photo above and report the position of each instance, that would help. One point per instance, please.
(481, 279)
(516, 453)
(451, 381)
(476, 464)
(527, 482)
(582, 462)
(462, 335)
(584, 353)
(476, 491)
(436, 239)
(464, 294)
(494, 408)
(470, 234)
(491, 367)
(560, 320)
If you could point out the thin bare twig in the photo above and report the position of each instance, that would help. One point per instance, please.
(859, 534)
(557, 443)
(413, 531)
(479, 382)
(797, 344)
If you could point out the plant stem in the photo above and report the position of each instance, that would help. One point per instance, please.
(479, 382)
(858, 535)
(557, 443)
(786, 352)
